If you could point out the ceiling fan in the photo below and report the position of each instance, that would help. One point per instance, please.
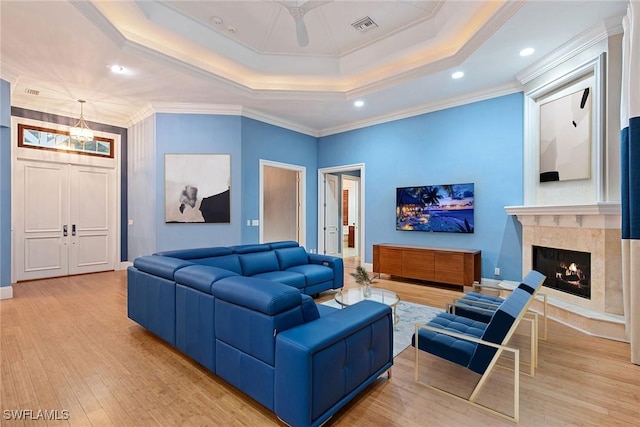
(298, 9)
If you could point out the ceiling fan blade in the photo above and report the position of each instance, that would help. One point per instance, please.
(301, 31)
(297, 9)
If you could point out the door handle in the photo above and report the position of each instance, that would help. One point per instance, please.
(73, 229)
(64, 230)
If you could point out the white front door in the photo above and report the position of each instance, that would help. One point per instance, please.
(42, 195)
(67, 225)
(331, 216)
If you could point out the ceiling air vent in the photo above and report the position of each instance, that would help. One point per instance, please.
(364, 24)
(32, 92)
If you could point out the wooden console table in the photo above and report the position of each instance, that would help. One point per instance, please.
(451, 266)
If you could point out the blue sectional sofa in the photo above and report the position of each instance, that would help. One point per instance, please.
(301, 360)
(285, 262)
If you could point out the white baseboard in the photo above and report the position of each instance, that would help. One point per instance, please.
(6, 292)
(123, 265)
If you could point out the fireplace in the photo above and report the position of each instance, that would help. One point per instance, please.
(590, 229)
(567, 271)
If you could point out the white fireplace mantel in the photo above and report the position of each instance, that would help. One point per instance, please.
(598, 215)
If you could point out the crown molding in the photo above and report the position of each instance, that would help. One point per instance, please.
(490, 27)
(184, 108)
(100, 21)
(426, 108)
(189, 108)
(140, 115)
(272, 120)
(572, 48)
(220, 110)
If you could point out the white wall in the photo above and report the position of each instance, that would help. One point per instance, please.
(142, 180)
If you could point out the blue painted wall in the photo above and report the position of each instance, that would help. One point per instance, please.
(5, 183)
(480, 142)
(268, 142)
(207, 134)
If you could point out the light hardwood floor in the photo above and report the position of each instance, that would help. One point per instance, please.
(67, 344)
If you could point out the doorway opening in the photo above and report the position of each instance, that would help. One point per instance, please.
(341, 215)
(282, 202)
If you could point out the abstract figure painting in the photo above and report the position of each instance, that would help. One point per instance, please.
(197, 188)
(565, 136)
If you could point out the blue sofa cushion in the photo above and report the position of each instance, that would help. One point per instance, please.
(159, 265)
(265, 296)
(201, 277)
(258, 262)
(228, 262)
(313, 273)
(287, 277)
(309, 309)
(284, 244)
(248, 249)
(249, 313)
(290, 257)
(197, 253)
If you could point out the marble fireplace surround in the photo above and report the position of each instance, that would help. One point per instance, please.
(593, 228)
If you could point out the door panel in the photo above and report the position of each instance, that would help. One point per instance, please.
(43, 199)
(92, 251)
(44, 254)
(91, 215)
(331, 215)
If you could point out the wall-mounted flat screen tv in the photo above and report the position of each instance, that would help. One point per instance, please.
(437, 208)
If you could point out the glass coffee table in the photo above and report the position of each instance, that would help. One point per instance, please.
(355, 295)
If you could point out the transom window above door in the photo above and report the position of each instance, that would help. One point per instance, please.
(57, 140)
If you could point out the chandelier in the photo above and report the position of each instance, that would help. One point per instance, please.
(81, 131)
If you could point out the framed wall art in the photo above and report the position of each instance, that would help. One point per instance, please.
(197, 188)
(565, 137)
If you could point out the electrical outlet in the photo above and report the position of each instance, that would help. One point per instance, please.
(496, 271)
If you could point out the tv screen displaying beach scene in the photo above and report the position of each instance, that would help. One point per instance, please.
(436, 208)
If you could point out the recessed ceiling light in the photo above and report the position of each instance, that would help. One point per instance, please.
(359, 103)
(231, 29)
(116, 68)
(216, 20)
(457, 75)
(527, 51)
